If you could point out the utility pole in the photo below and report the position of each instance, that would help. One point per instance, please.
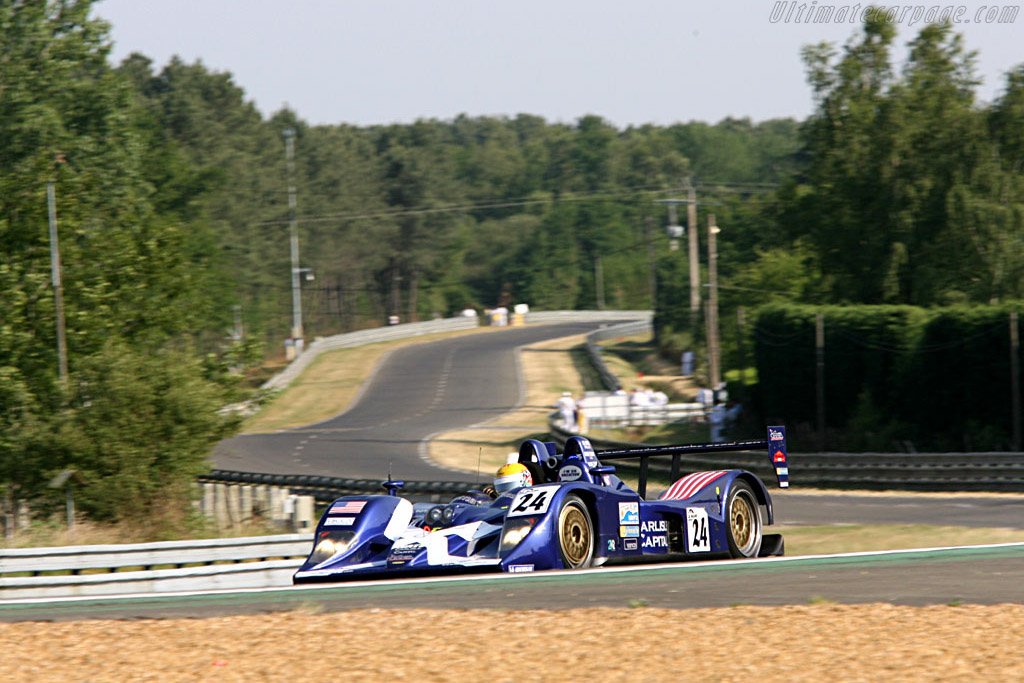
(819, 390)
(714, 355)
(675, 231)
(651, 265)
(599, 283)
(58, 290)
(1015, 380)
(289, 147)
(691, 223)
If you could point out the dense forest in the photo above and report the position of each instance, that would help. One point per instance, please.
(172, 208)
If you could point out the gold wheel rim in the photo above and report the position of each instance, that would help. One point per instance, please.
(575, 535)
(741, 521)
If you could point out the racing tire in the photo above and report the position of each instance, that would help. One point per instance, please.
(575, 534)
(743, 521)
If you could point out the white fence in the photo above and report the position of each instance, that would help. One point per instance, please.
(255, 562)
(547, 317)
(604, 409)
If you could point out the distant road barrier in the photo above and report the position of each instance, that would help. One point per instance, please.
(253, 562)
(407, 330)
(608, 378)
(326, 489)
(363, 337)
(855, 471)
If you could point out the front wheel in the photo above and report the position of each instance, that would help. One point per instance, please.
(575, 534)
(744, 520)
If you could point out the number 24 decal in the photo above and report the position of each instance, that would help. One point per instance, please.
(697, 538)
(532, 501)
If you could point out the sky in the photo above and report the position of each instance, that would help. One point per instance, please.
(369, 62)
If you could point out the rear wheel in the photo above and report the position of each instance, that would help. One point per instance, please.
(575, 534)
(744, 520)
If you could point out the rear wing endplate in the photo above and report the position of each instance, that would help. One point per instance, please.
(775, 443)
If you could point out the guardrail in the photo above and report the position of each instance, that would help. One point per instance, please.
(256, 561)
(856, 471)
(608, 378)
(326, 489)
(361, 337)
(547, 317)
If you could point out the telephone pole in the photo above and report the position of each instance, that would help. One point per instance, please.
(58, 290)
(289, 151)
(691, 223)
(714, 353)
(693, 248)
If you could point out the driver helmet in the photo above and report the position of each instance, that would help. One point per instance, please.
(512, 476)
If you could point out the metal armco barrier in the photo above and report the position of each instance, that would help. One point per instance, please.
(326, 489)
(547, 317)
(256, 561)
(862, 471)
(362, 337)
(608, 378)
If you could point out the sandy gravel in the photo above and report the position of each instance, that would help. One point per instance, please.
(798, 643)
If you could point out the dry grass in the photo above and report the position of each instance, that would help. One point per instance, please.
(820, 641)
(824, 540)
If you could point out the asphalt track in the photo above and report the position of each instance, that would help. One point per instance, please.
(416, 391)
(978, 575)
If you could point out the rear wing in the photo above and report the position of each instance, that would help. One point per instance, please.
(775, 443)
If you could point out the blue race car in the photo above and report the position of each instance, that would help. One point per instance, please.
(576, 514)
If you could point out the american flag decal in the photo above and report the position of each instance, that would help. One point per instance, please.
(690, 484)
(349, 507)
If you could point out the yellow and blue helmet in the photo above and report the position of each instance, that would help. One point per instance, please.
(512, 476)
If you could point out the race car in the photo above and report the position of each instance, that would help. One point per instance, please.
(576, 513)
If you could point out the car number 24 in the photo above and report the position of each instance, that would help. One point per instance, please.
(532, 501)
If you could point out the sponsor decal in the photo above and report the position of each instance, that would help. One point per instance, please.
(691, 484)
(775, 434)
(629, 531)
(629, 513)
(781, 470)
(349, 507)
(611, 544)
(339, 521)
(569, 473)
(652, 526)
(630, 544)
(657, 541)
(698, 538)
(520, 568)
(403, 554)
(779, 457)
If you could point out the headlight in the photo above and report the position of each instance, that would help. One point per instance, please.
(331, 544)
(515, 532)
(434, 516)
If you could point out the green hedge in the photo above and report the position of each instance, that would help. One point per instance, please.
(939, 378)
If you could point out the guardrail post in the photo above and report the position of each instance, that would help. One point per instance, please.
(302, 515)
(206, 503)
(220, 506)
(245, 503)
(233, 508)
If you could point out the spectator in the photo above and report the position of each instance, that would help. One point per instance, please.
(687, 363)
(721, 394)
(716, 418)
(638, 398)
(581, 417)
(659, 398)
(705, 397)
(567, 411)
